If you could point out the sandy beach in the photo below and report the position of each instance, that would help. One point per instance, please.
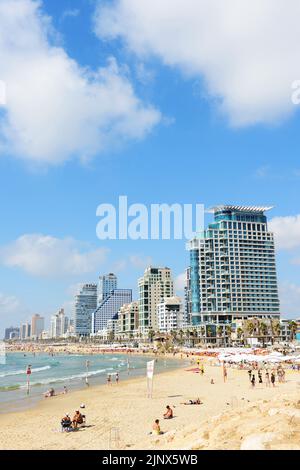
(232, 416)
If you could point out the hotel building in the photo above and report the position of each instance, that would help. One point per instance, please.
(170, 314)
(232, 272)
(154, 286)
(106, 284)
(109, 308)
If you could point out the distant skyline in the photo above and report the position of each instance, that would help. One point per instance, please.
(107, 98)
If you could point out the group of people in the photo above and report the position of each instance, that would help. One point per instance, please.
(68, 424)
(156, 430)
(51, 392)
(269, 376)
(109, 378)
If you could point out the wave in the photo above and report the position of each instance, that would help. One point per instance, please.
(23, 371)
(54, 380)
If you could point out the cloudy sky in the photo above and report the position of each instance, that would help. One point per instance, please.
(173, 101)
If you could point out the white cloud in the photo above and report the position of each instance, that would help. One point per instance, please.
(290, 300)
(46, 256)
(9, 305)
(247, 51)
(287, 232)
(56, 109)
(71, 13)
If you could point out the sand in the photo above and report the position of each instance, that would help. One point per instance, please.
(233, 415)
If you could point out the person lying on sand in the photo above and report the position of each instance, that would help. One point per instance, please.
(156, 428)
(193, 402)
(77, 419)
(169, 413)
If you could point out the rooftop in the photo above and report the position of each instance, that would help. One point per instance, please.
(254, 209)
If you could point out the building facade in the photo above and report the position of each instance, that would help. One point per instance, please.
(154, 286)
(59, 324)
(106, 285)
(109, 308)
(232, 273)
(11, 333)
(37, 326)
(129, 318)
(85, 305)
(170, 314)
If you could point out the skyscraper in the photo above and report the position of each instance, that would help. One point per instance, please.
(232, 273)
(11, 333)
(170, 314)
(85, 305)
(107, 283)
(37, 325)
(154, 286)
(59, 324)
(109, 308)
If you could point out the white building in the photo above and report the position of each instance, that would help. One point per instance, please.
(154, 286)
(109, 308)
(170, 314)
(106, 285)
(59, 324)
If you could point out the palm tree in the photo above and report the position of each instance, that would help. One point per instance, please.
(219, 331)
(151, 335)
(263, 329)
(173, 335)
(250, 327)
(240, 334)
(275, 327)
(228, 330)
(293, 329)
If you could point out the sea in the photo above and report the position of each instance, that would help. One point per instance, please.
(68, 370)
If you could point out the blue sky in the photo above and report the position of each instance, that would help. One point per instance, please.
(182, 147)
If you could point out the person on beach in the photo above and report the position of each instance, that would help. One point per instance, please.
(109, 380)
(250, 374)
(267, 376)
(65, 390)
(253, 381)
(77, 419)
(260, 377)
(193, 402)
(156, 428)
(273, 379)
(50, 393)
(66, 423)
(224, 372)
(169, 413)
(117, 378)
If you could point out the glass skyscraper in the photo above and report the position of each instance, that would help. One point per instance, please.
(232, 273)
(85, 305)
(107, 283)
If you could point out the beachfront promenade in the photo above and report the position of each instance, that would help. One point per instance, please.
(233, 415)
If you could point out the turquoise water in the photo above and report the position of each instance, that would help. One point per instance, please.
(64, 370)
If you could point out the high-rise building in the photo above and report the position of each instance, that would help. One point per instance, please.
(59, 324)
(170, 314)
(85, 305)
(11, 333)
(129, 318)
(37, 326)
(154, 286)
(232, 273)
(109, 308)
(106, 284)
(25, 331)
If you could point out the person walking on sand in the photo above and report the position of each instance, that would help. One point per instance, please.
(273, 379)
(253, 381)
(109, 379)
(224, 372)
(117, 378)
(267, 376)
(250, 374)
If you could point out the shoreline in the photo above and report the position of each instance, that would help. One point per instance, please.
(228, 414)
